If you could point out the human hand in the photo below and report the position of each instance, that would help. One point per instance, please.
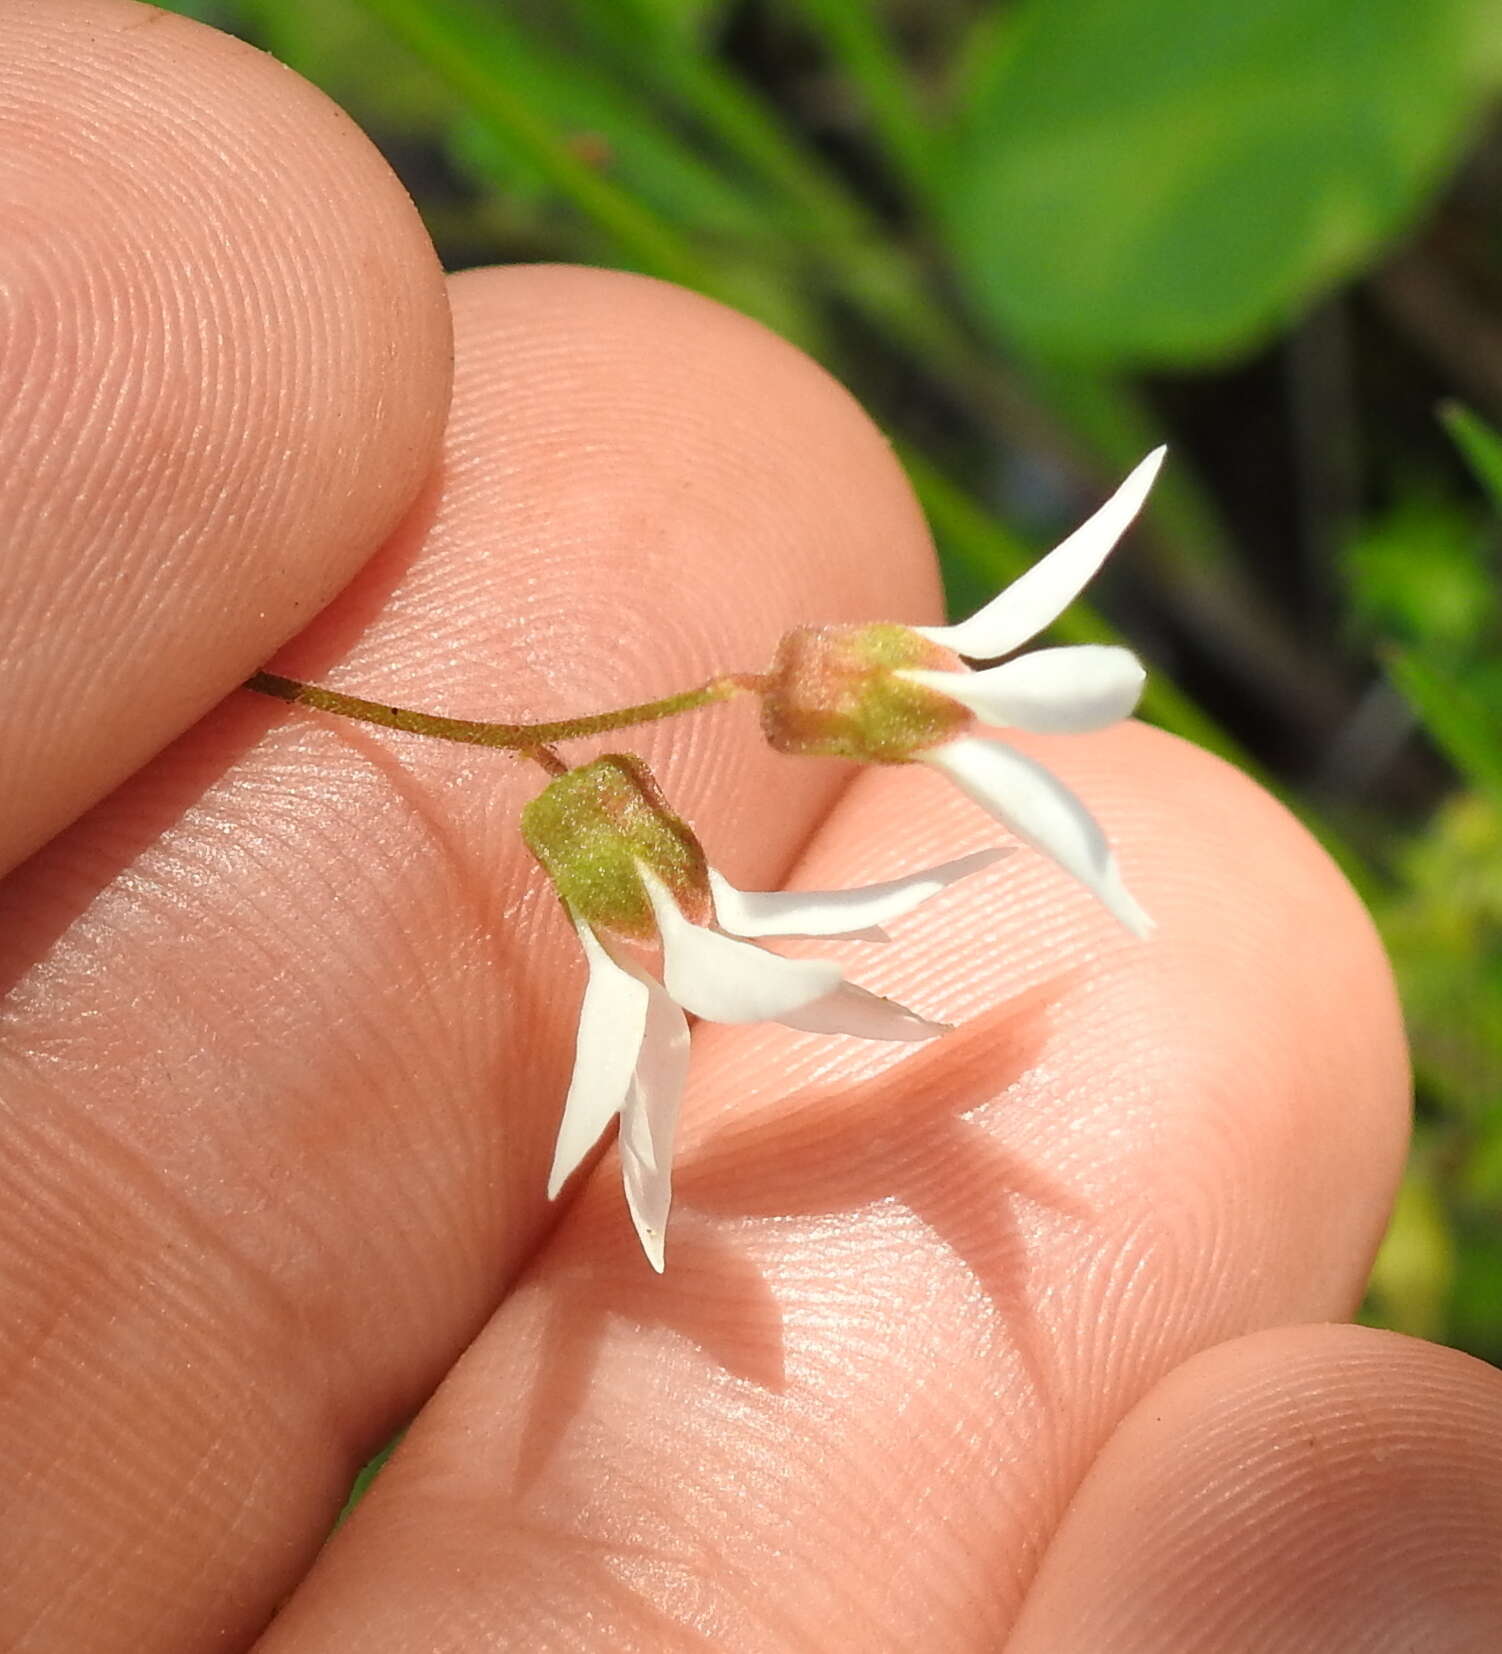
(1002, 1342)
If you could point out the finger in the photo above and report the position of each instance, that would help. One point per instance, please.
(1310, 1488)
(909, 1294)
(226, 367)
(294, 1013)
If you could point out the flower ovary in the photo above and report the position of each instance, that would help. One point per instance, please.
(833, 693)
(592, 826)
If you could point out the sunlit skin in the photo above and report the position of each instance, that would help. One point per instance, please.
(1008, 1341)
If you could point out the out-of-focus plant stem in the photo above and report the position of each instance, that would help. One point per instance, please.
(641, 234)
(854, 34)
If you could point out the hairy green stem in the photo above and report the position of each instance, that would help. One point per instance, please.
(529, 740)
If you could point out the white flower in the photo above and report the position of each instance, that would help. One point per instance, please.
(631, 873)
(1064, 690)
(631, 1058)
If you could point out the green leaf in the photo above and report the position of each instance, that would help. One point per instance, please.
(1442, 922)
(1480, 445)
(1414, 1272)
(1455, 717)
(1476, 1322)
(1166, 180)
(367, 1475)
(1420, 576)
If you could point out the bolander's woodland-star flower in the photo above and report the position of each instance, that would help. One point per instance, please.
(899, 694)
(634, 880)
(664, 934)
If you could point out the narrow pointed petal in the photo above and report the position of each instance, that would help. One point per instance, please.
(612, 1022)
(850, 1009)
(1037, 598)
(1042, 812)
(725, 980)
(649, 1121)
(842, 913)
(1050, 691)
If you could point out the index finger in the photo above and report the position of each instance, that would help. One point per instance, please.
(225, 372)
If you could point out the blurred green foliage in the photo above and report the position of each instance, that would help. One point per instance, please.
(1162, 180)
(1035, 238)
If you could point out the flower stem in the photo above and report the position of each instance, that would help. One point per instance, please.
(530, 740)
(547, 757)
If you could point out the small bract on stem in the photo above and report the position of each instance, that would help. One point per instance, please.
(664, 933)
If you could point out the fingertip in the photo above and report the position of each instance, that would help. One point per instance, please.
(1304, 1488)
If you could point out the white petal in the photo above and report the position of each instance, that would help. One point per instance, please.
(1037, 598)
(725, 980)
(1042, 812)
(649, 1121)
(1050, 691)
(843, 913)
(850, 1009)
(612, 1022)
